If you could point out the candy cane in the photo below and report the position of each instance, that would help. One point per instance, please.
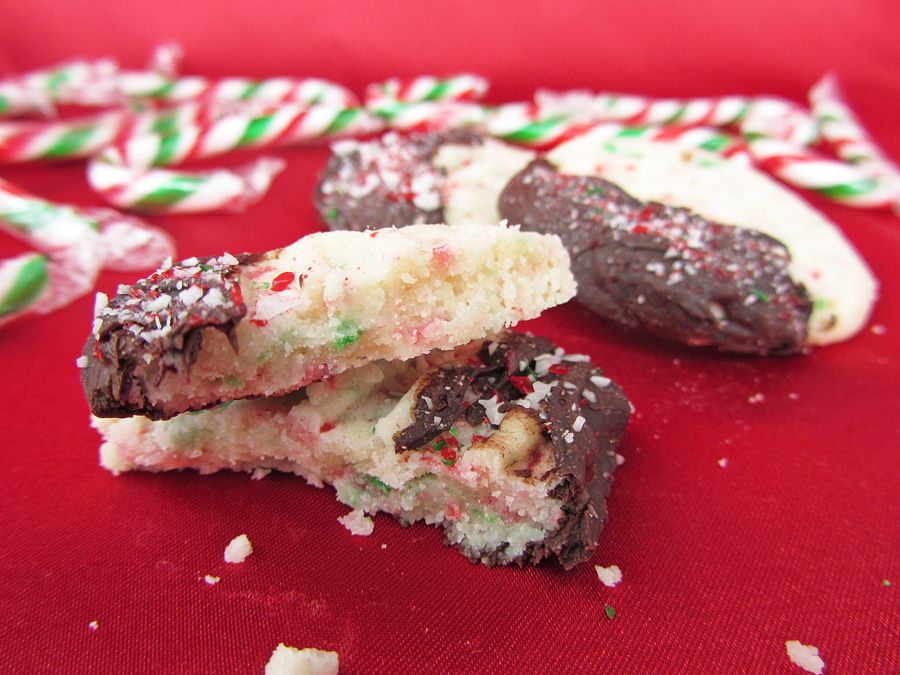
(163, 191)
(35, 283)
(118, 241)
(464, 87)
(431, 116)
(772, 116)
(839, 181)
(843, 130)
(124, 174)
(85, 137)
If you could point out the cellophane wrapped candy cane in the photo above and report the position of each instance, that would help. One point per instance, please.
(163, 191)
(126, 176)
(96, 82)
(118, 241)
(40, 283)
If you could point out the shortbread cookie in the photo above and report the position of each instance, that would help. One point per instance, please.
(664, 268)
(386, 182)
(508, 444)
(219, 329)
(841, 286)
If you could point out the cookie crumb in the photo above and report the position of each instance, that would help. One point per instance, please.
(879, 329)
(358, 523)
(723, 462)
(805, 656)
(238, 549)
(793, 395)
(93, 625)
(287, 660)
(756, 398)
(211, 580)
(610, 576)
(260, 473)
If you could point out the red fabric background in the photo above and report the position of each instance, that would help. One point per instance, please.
(791, 541)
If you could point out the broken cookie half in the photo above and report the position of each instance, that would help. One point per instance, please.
(507, 443)
(210, 330)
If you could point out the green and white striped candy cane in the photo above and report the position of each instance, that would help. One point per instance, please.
(127, 175)
(37, 283)
(23, 280)
(119, 241)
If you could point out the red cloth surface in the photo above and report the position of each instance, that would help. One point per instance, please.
(791, 541)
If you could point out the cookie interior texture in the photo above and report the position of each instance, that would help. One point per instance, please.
(508, 444)
(213, 330)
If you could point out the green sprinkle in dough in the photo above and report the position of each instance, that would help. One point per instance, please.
(447, 462)
(594, 190)
(886, 583)
(821, 303)
(190, 436)
(380, 484)
(439, 445)
(453, 431)
(331, 214)
(233, 381)
(348, 332)
(264, 356)
(610, 611)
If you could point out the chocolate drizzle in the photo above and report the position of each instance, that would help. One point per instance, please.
(583, 414)
(663, 268)
(385, 182)
(155, 327)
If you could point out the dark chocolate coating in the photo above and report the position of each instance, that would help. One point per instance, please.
(583, 464)
(343, 205)
(135, 345)
(664, 269)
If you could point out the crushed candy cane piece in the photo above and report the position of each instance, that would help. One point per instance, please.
(238, 549)
(610, 576)
(805, 656)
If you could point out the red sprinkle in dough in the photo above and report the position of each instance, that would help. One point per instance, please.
(559, 369)
(327, 426)
(442, 256)
(259, 322)
(282, 282)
